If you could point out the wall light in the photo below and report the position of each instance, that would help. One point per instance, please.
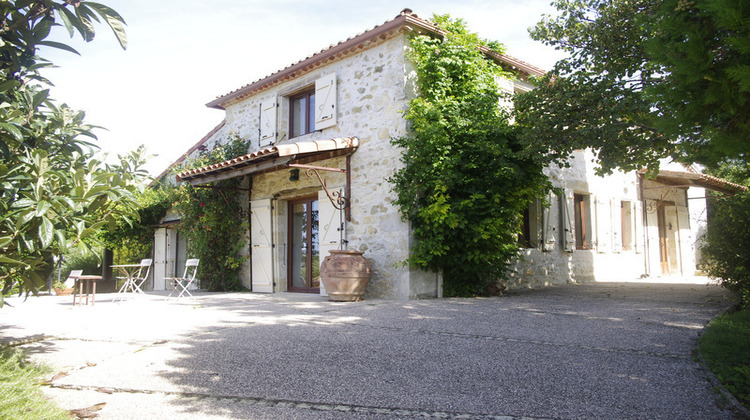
(294, 175)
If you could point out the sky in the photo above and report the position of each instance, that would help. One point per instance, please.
(183, 54)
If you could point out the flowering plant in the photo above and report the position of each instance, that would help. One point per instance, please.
(213, 221)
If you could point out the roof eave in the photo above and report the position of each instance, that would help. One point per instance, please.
(697, 179)
(403, 20)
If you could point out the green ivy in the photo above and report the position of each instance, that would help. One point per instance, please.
(465, 181)
(213, 221)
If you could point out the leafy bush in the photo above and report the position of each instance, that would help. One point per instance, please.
(726, 254)
(465, 179)
(89, 262)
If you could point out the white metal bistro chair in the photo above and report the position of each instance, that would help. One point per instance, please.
(71, 280)
(135, 276)
(188, 278)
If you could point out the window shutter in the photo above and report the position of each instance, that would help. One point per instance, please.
(325, 102)
(548, 234)
(569, 237)
(617, 225)
(267, 123)
(330, 233)
(261, 246)
(686, 240)
(603, 223)
(638, 241)
(652, 238)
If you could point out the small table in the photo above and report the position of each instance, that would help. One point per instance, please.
(128, 272)
(90, 288)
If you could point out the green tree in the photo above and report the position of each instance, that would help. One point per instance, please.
(463, 184)
(644, 80)
(54, 193)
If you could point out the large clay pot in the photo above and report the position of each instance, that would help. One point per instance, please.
(345, 275)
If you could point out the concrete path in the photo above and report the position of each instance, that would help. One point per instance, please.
(602, 351)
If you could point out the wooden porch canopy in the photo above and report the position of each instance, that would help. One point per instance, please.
(271, 159)
(678, 179)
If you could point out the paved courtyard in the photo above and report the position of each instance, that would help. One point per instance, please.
(607, 350)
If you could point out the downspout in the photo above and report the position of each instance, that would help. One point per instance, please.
(644, 210)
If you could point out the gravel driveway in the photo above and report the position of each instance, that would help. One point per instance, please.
(599, 351)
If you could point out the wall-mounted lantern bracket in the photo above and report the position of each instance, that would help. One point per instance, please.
(337, 199)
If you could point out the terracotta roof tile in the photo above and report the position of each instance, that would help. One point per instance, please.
(280, 150)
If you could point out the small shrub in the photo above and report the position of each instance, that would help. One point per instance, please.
(725, 346)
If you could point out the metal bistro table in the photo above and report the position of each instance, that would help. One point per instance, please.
(130, 273)
(90, 287)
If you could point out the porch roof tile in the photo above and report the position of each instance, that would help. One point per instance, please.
(242, 165)
(688, 179)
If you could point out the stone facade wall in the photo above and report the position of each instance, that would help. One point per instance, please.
(373, 90)
(542, 265)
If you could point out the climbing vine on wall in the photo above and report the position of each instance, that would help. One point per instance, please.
(465, 179)
(213, 221)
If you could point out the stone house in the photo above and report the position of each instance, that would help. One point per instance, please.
(316, 177)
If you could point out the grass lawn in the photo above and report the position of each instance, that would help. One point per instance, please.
(20, 393)
(726, 347)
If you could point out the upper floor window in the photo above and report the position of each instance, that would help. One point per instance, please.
(302, 113)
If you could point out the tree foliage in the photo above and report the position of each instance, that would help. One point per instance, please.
(463, 185)
(725, 252)
(54, 193)
(644, 80)
(213, 221)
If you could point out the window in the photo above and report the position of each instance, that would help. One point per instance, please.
(302, 113)
(530, 224)
(582, 214)
(524, 238)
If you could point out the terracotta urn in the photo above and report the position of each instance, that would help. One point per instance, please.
(345, 275)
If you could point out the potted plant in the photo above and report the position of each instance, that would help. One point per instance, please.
(61, 289)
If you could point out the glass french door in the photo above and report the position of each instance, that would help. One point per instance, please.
(303, 258)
